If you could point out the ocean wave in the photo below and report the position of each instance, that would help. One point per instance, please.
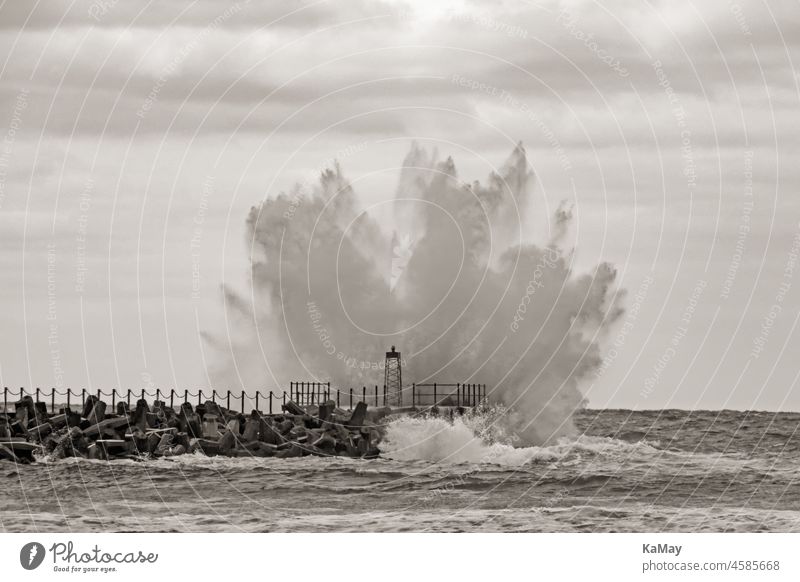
(439, 440)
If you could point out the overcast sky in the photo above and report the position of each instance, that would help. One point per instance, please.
(135, 136)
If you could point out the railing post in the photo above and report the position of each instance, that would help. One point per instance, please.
(242, 401)
(364, 394)
(413, 394)
(172, 398)
(458, 393)
(270, 401)
(351, 399)
(158, 393)
(37, 394)
(291, 387)
(199, 396)
(69, 392)
(143, 398)
(376, 396)
(214, 395)
(385, 394)
(185, 395)
(113, 399)
(257, 393)
(328, 397)
(129, 399)
(284, 398)
(228, 401)
(53, 400)
(338, 394)
(434, 394)
(5, 398)
(83, 396)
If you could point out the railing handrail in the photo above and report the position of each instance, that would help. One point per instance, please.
(304, 393)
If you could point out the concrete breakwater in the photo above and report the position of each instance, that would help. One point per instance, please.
(159, 430)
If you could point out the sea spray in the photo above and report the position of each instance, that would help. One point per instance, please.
(474, 293)
(439, 440)
(480, 440)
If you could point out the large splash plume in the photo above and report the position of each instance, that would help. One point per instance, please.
(454, 281)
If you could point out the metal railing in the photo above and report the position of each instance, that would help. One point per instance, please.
(303, 393)
(464, 395)
(435, 394)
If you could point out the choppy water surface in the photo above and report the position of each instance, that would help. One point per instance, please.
(628, 471)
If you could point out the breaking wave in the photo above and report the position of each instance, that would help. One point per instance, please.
(477, 441)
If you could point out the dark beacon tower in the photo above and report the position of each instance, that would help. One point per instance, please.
(393, 379)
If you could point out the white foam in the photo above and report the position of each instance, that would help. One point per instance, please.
(440, 440)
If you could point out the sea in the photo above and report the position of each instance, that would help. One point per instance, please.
(622, 471)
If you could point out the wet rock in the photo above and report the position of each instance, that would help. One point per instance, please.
(362, 446)
(137, 441)
(41, 431)
(140, 415)
(175, 451)
(264, 450)
(95, 452)
(58, 421)
(40, 412)
(207, 447)
(210, 426)
(285, 426)
(7, 454)
(24, 411)
(234, 426)
(152, 442)
(73, 419)
(226, 442)
(356, 420)
(165, 444)
(326, 410)
(71, 443)
(325, 443)
(153, 420)
(112, 448)
(294, 450)
(268, 433)
(88, 404)
(106, 425)
(190, 421)
(211, 407)
(98, 413)
(293, 408)
(252, 430)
